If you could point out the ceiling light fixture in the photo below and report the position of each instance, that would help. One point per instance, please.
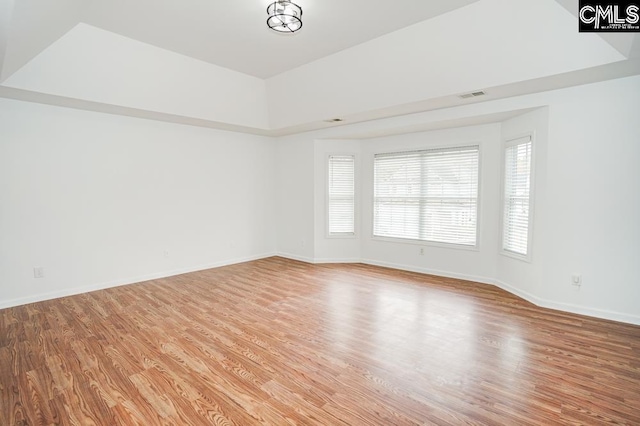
(284, 16)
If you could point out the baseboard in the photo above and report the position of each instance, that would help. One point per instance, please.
(437, 272)
(319, 260)
(296, 257)
(331, 260)
(559, 306)
(520, 293)
(571, 308)
(591, 312)
(126, 281)
(398, 266)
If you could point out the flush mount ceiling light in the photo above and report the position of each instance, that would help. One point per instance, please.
(284, 16)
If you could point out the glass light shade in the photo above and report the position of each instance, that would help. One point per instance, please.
(284, 16)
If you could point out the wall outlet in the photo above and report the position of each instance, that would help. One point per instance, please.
(303, 243)
(166, 253)
(38, 272)
(576, 279)
(421, 251)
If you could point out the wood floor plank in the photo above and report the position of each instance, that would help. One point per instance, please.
(278, 342)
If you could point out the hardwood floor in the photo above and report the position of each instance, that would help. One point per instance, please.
(281, 342)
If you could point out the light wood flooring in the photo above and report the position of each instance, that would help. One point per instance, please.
(280, 342)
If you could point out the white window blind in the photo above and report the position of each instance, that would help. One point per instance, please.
(517, 187)
(429, 195)
(341, 195)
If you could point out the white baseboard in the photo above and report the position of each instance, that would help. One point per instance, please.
(296, 257)
(560, 306)
(520, 293)
(568, 307)
(543, 303)
(592, 312)
(125, 281)
(318, 261)
(330, 260)
(437, 272)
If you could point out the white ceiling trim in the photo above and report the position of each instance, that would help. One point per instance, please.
(62, 101)
(299, 99)
(395, 120)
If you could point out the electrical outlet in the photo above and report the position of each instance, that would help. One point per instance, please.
(421, 251)
(576, 279)
(38, 272)
(166, 253)
(303, 243)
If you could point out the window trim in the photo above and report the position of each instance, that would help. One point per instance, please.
(344, 235)
(398, 240)
(506, 142)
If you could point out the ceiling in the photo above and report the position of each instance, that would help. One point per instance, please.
(43, 43)
(233, 34)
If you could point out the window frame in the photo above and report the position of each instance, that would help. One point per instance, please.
(426, 243)
(506, 143)
(342, 235)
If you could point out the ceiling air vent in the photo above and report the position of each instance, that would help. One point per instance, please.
(472, 95)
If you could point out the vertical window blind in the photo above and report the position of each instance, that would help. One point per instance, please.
(341, 195)
(428, 195)
(517, 187)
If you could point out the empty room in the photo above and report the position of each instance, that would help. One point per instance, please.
(319, 212)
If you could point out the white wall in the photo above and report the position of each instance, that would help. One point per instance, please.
(524, 277)
(587, 197)
(587, 202)
(93, 64)
(335, 249)
(295, 183)
(476, 264)
(593, 196)
(97, 199)
(488, 43)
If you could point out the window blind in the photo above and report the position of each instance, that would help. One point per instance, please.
(517, 186)
(341, 195)
(428, 195)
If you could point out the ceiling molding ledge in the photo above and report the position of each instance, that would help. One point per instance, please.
(61, 101)
(380, 122)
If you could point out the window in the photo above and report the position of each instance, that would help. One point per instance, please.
(429, 195)
(517, 188)
(341, 195)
